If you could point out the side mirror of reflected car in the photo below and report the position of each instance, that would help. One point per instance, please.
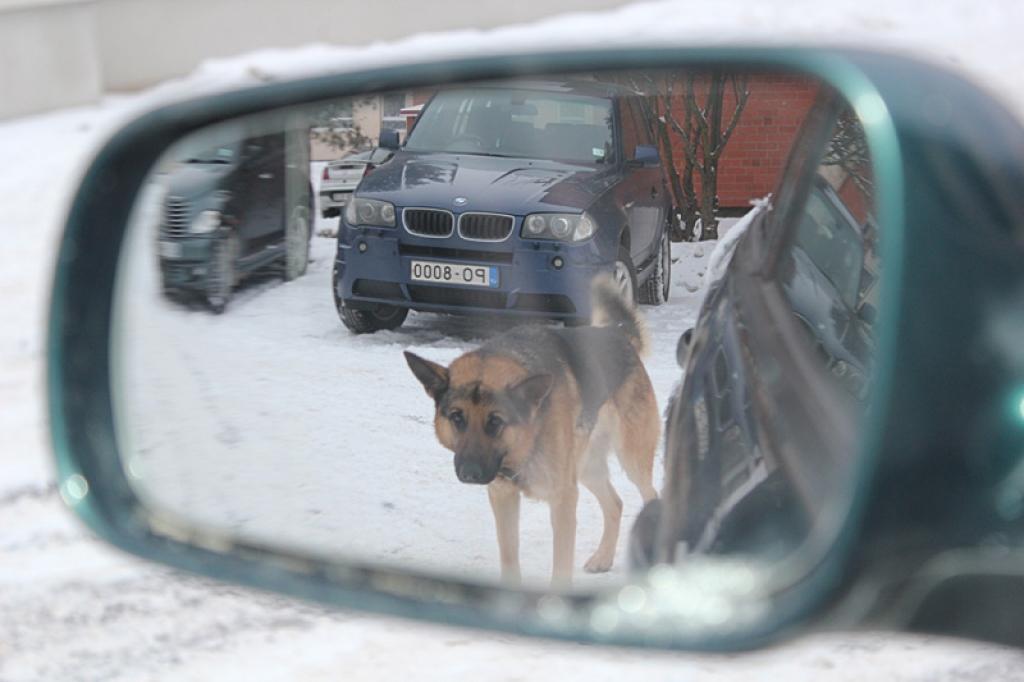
(389, 139)
(645, 155)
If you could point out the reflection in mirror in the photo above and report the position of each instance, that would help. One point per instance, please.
(441, 329)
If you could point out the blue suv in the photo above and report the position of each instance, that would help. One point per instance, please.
(507, 198)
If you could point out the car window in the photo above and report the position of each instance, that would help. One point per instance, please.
(828, 265)
(832, 243)
(516, 123)
(358, 156)
(380, 155)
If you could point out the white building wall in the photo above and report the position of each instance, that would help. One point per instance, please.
(48, 55)
(61, 52)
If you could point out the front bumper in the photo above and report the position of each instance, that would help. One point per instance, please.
(184, 261)
(373, 266)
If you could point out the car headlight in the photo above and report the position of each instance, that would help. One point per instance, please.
(370, 212)
(567, 227)
(206, 222)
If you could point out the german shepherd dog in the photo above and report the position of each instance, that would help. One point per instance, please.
(534, 412)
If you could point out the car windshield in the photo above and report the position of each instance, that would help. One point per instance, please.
(832, 244)
(516, 123)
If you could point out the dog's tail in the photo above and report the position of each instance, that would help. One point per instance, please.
(611, 308)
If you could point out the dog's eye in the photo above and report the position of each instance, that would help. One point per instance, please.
(457, 419)
(493, 425)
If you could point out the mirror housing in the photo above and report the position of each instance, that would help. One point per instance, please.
(917, 433)
(645, 155)
(388, 139)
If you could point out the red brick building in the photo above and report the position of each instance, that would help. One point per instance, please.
(756, 154)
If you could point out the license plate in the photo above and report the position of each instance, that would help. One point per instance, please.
(453, 273)
(340, 197)
(170, 250)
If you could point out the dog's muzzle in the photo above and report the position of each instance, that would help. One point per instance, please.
(479, 470)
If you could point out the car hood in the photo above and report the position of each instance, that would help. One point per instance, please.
(192, 181)
(494, 184)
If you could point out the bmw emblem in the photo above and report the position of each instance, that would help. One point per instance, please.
(460, 201)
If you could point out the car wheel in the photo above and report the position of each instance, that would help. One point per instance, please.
(624, 274)
(296, 244)
(655, 290)
(381, 318)
(367, 321)
(222, 275)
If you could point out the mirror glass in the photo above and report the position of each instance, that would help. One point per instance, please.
(549, 331)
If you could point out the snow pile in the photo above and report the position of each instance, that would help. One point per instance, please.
(720, 257)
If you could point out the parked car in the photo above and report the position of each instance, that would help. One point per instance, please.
(507, 198)
(744, 477)
(340, 178)
(232, 209)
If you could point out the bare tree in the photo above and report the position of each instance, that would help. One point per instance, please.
(704, 138)
(690, 107)
(680, 183)
(848, 149)
(333, 124)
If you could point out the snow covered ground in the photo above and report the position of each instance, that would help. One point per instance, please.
(70, 608)
(273, 421)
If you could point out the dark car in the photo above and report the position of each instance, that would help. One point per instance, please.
(758, 432)
(507, 198)
(232, 209)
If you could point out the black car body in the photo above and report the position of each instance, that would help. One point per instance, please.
(233, 208)
(508, 198)
(757, 432)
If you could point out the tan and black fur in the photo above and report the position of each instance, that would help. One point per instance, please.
(535, 411)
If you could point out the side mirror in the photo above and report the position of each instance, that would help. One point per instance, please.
(781, 509)
(646, 155)
(388, 139)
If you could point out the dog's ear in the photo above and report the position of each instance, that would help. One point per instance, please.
(433, 376)
(531, 391)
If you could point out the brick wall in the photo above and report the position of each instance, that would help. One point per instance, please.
(756, 153)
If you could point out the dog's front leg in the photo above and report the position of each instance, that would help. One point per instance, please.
(504, 497)
(563, 527)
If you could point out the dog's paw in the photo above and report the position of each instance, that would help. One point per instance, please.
(599, 563)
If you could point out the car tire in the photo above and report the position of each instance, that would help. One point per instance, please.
(367, 321)
(624, 274)
(381, 318)
(296, 244)
(655, 290)
(222, 275)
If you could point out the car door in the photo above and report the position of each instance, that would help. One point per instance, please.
(643, 187)
(261, 192)
(760, 433)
